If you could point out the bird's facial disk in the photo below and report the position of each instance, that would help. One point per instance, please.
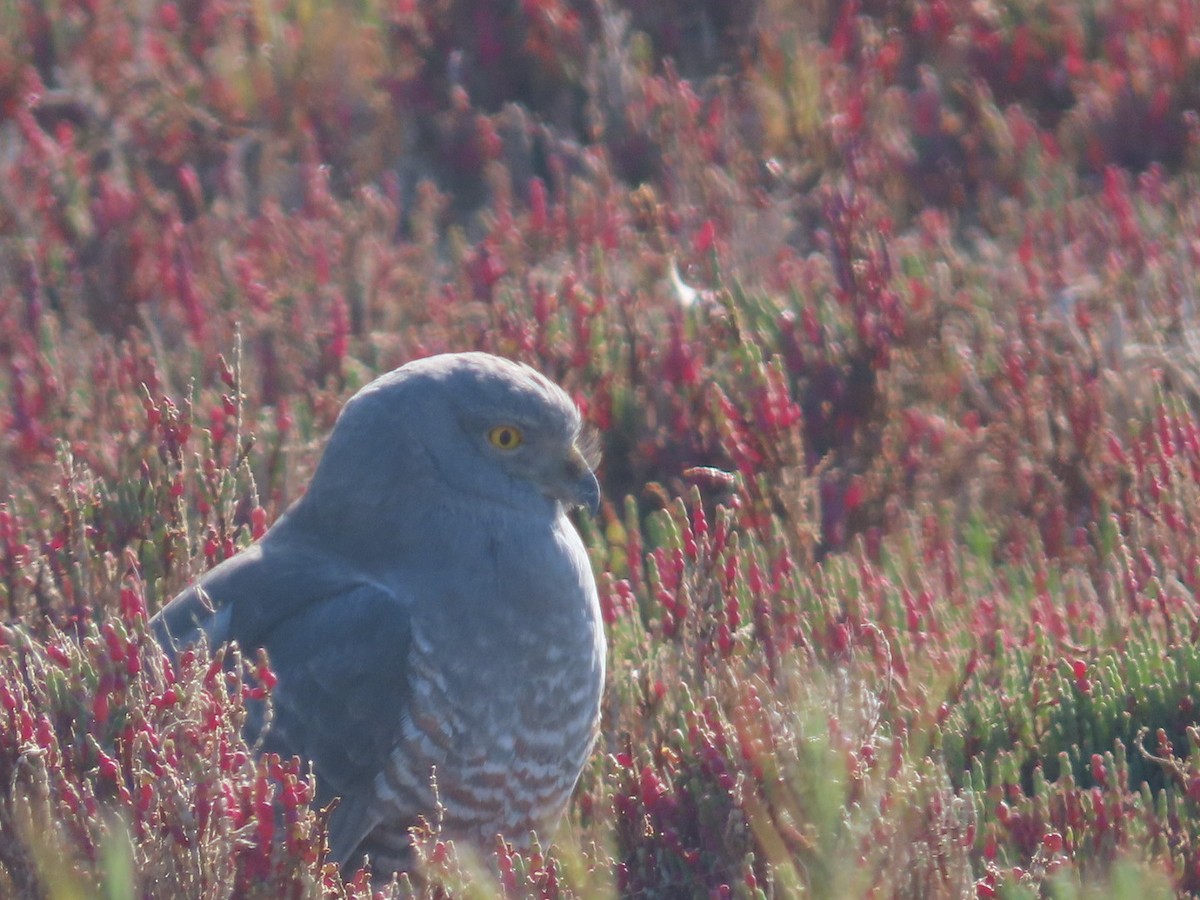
(556, 464)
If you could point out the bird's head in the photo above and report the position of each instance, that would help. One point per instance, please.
(470, 426)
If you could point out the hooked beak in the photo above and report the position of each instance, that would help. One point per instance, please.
(578, 485)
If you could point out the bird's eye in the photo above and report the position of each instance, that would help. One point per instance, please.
(506, 437)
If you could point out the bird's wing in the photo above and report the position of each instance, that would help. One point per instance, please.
(205, 608)
(341, 698)
(339, 646)
(246, 595)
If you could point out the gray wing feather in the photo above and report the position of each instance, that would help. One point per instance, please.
(187, 618)
(245, 596)
(343, 689)
(206, 608)
(339, 647)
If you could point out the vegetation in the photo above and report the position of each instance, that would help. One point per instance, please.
(885, 312)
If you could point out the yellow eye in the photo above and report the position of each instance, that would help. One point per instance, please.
(506, 437)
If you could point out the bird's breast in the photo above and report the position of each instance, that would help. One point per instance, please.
(505, 738)
(507, 670)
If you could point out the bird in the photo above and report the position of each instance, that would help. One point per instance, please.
(428, 609)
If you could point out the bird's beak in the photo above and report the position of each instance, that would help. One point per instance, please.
(579, 486)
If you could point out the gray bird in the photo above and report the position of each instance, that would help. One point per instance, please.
(427, 606)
